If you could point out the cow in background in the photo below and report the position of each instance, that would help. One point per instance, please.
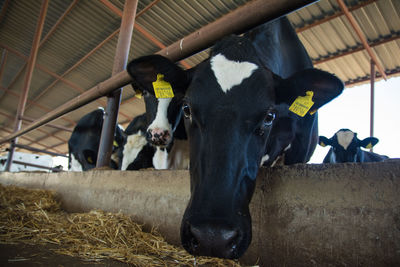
(165, 130)
(137, 153)
(83, 145)
(232, 101)
(346, 147)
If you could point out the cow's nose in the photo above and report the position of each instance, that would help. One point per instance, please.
(214, 241)
(158, 137)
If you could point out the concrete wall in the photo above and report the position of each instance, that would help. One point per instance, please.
(303, 215)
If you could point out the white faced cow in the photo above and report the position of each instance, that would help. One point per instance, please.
(166, 130)
(236, 105)
(346, 147)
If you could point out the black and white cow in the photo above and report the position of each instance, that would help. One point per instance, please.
(137, 153)
(236, 106)
(346, 147)
(83, 144)
(166, 130)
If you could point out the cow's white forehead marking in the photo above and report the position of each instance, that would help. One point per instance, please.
(230, 73)
(161, 120)
(344, 138)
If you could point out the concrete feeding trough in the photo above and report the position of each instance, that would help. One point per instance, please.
(338, 214)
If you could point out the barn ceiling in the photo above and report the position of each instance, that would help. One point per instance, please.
(79, 39)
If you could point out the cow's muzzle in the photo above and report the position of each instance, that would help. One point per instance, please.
(213, 240)
(158, 137)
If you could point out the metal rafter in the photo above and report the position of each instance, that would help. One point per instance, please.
(361, 35)
(335, 15)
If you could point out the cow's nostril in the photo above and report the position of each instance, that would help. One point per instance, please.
(213, 241)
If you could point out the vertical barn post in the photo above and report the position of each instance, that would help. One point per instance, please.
(28, 78)
(372, 113)
(114, 99)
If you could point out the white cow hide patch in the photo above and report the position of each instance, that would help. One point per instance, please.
(160, 159)
(75, 165)
(134, 144)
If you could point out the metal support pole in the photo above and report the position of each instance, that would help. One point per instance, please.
(371, 131)
(114, 99)
(28, 79)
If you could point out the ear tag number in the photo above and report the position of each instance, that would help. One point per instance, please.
(162, 89)
(302, 104)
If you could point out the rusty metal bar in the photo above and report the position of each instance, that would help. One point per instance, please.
(262, 12)
(40, 150)
(114, 99)
(145, 33)
(372, 113)
(28, 78)
(357, 49)
(335, 15)
(238, 21)
(36, 165)
(360, 35)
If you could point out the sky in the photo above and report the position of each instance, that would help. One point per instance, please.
(351, 110)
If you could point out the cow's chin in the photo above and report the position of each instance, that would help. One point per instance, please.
(221, 238)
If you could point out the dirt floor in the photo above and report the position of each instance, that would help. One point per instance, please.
(22, 255)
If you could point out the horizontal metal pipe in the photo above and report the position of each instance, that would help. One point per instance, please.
(243, 18)
(36, 165)
(238, 21)
(40, 150)
(119, 80)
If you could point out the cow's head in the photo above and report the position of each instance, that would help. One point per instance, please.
(346, 146)
(83, 144)
(232, 103)
(163, 112)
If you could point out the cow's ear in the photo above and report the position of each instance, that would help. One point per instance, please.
(311, 88)
(144, 71)
(369, 142)
(323, 141)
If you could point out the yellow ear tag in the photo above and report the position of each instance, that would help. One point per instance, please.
(138, 94)
(302, 104)
(162, 89)
(115, 143)
(369, 146)
(322, 144)
(90, 160)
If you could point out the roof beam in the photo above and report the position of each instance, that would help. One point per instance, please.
(361, 35)
(354, 50)
(140, 29)
(335, 15)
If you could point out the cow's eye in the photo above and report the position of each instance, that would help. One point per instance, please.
(269, 118)
(145, 93)
(186, 110)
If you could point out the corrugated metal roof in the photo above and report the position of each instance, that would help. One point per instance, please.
(79, 52)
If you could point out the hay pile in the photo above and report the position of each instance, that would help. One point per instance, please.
(35, 217)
